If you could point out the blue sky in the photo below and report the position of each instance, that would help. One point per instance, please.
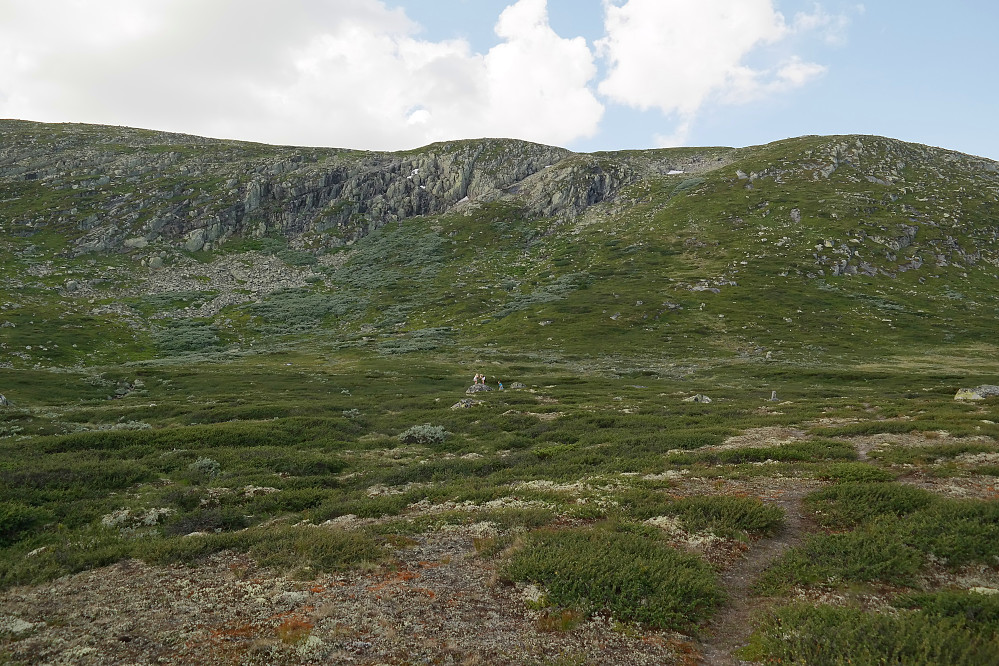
(585, 74)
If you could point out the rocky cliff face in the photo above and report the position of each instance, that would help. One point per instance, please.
(120, 189)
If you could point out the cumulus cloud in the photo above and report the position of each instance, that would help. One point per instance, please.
(676, 56)
(352, 73)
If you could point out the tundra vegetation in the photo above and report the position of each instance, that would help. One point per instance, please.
(289, 390)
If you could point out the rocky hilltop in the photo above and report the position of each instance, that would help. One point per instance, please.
(123, 189)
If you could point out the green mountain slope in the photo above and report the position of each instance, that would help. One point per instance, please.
(728, 429)
(144, 244)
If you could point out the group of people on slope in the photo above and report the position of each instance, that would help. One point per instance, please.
(480, 378)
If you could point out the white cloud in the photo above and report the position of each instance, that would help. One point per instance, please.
(678, 137)
(349, 73)
(676, 55)
(833, 27)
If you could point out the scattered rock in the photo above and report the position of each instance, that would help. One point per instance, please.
(15, 625)
(3, 401)
(256, 491)
(465, 403)
(518, 385)
(978, 393)
(698, 398)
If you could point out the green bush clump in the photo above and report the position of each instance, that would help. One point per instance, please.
(557, 290)
(631, 574)
(213, 519)
(424, 434)
(955, 531)
(68, 478)
(234, 435)
(888, 547)
(359, 504)
(205, 468)
(803, 634)
(851, 504)
(318, 549)
(17, 520)
(864, 555)
(921, 455)
(296, 310)
(978, 610)
(795, 452)
(310, 549)
(727, 515)
(179, 336)
(423, 339)
(172, 300)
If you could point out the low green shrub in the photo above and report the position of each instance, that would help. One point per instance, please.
(803, 634)
(206, 519)
(319, 549)
(18, 520)
(632, 575)
(922, 455)
(424, 434)
(851, 504)
(976, 609)
(956, 532)
(71, 478)
(205, 468)
(727, 515)
(864, 555)
(179, 336)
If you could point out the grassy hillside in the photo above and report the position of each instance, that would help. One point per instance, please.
(281, 408)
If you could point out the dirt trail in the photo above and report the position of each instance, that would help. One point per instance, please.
(731, 626)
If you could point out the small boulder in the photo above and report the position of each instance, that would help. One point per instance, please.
(698, 398)
(3, 401)
(465, 403)
(478, 388)
(518, 385)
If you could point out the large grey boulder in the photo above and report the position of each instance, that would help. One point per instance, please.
(978, 393)
(196, 240)
(478, 388)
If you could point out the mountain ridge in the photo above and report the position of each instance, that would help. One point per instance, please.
(234, 242)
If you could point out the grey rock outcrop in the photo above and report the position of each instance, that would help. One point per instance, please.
(193, 193)
(978, 393)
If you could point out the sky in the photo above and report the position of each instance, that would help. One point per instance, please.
(587, 75)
